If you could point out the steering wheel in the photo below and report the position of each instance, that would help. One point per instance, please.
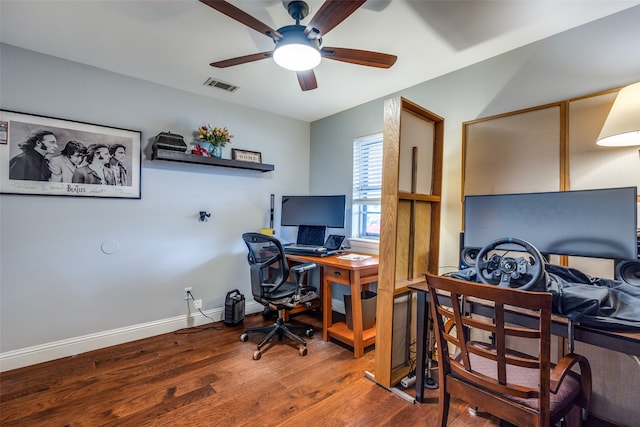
(517, 273)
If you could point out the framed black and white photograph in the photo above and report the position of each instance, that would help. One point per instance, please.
(246, 156)
(56, 157)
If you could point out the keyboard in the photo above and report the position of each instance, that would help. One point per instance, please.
(306, 248)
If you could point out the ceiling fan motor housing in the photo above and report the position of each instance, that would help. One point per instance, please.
(296, 34)
(298, 10)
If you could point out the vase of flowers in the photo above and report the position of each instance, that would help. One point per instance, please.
(212, 139)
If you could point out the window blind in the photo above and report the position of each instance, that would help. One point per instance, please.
(367, 170)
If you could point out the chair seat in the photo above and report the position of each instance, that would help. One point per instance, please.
(283, 291)
(567, 391)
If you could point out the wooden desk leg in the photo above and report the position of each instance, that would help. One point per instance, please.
(356, 314)
(327, 309)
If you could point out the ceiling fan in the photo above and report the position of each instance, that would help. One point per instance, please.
(298, 47)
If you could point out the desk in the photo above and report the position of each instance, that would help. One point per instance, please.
(357, 274)
(624, 342)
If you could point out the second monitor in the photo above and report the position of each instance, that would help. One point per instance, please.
(328, 211)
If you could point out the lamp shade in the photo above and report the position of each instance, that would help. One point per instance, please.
(295, 51)
(622, 127)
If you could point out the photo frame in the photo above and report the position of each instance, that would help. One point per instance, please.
(57, 157)
(246, 156)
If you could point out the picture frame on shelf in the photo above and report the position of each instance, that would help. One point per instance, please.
(246, 155)
(50, 156)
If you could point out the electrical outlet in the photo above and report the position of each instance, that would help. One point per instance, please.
(197, 303)
(186, 293)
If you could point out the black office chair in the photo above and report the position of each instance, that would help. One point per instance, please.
(269, 286)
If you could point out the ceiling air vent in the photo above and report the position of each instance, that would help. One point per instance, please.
(220, 85)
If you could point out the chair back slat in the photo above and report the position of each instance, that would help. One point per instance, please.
(456, 302)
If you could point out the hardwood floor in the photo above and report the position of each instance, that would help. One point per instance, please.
(207, 377)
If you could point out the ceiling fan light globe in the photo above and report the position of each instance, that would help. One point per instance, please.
(295, 51)
(297, 57)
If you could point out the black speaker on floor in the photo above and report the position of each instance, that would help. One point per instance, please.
(628, 271)
(233, 308)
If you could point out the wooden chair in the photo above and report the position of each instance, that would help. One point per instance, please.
(517, 388)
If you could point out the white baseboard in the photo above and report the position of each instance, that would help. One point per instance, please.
(72, 346)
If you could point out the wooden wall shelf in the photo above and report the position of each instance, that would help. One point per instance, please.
(179, 156)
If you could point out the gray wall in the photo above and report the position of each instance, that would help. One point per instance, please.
(601, 55)
(57, 285)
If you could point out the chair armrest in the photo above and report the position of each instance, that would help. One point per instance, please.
(298, 271)
(299, 268)
(564, 367)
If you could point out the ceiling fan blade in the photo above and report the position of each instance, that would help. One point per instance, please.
(360, 57)
(243, 17)
(331, 13)
(307, 80)
(242, 59)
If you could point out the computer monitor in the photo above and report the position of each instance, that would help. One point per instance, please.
(328, 211)
(589, 223)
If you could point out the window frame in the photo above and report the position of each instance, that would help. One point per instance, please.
(367, 186)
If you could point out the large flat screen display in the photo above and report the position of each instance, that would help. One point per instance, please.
(313, 210)
(589, 223)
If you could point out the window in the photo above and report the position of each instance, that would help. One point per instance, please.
(367, 186)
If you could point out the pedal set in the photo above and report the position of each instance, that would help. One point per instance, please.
(310, 295)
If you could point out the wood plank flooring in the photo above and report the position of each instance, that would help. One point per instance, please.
(207, 377)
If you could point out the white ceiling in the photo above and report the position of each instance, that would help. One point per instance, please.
(171, 42)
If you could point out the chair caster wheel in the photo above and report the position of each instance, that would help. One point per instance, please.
(309, 332)
(257, 354)
(302, 351)
(244, 337)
